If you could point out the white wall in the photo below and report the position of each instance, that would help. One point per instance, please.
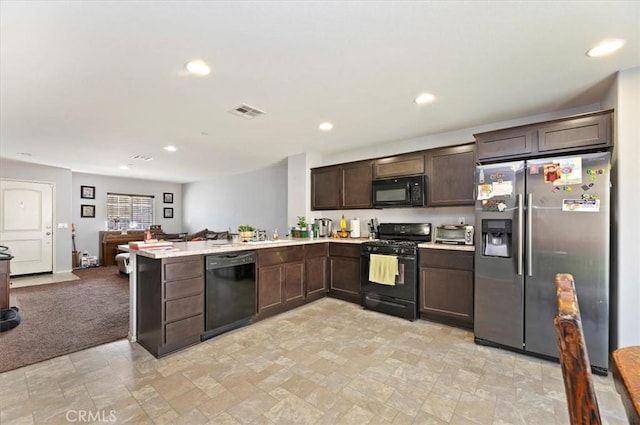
(624, 96)
(61, 179)
(87, 228)
(258, 198)
(299, 197)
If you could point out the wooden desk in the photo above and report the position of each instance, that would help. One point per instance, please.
(626, 375)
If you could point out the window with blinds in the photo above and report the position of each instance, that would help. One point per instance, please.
(129, 212)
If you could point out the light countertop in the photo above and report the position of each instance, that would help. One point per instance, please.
(182, 249)
(433, 245)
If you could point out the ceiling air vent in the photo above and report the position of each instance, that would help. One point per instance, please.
(246, 111)
(142, 157)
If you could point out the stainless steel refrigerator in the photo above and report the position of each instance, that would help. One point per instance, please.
(534, 219)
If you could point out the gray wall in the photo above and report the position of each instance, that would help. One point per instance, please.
(87, 228)
(61, 179)
(258, 198)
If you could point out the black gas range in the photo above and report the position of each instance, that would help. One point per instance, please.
(382, 292)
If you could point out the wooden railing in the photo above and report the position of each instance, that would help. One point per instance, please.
(574, 359)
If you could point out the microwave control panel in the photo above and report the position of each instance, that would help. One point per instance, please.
(416, 193)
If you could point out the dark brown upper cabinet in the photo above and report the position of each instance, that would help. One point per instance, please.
(344, 186)
(450, 175)
(586, 132)
(325, 188)
(355, 185)
(579, 132)
(396, 166)
(506, 143)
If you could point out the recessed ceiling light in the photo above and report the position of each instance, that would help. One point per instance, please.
(605, 47)
(170, 148)
(198, 67)
(124, 167)
(425, 98)
(326, 126)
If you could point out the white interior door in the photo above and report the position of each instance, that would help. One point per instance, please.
(26, 217)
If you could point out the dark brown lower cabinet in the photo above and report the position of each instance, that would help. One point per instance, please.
(446, 286)
(344, 274)
(170, 303)
(315, 269)
(280, 283)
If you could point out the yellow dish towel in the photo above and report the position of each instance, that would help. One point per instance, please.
(383, 269)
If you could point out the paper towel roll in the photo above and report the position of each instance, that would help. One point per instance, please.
(355, 228)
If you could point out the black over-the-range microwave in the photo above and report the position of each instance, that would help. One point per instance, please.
(399, 192)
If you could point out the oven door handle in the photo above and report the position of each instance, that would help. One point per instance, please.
(400, 257)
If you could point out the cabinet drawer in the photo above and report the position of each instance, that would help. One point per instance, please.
(183, 329)
(183, 307)
(344, 250)
(183, 268)
(269, 257)
(446, 259)
(315, 250)
(183, 288)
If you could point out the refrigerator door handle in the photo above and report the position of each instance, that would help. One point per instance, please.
(520, 234)
(529, 234)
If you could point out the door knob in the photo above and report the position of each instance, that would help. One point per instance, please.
(48, 233)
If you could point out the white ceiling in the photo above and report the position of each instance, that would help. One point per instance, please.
(87, 85)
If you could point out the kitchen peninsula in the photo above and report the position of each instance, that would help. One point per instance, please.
(167, 287)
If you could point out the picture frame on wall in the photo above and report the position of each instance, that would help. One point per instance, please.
(167, 198)
(88, 192)
(168, 213)
(88, 211)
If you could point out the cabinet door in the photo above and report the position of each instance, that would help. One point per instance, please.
(447, 294)
(450, 174)
(316, 271)
(269, 287)
(401, 165)
(583, 132)
(325, 188)
(345, 276)
(293, 281)
(508, 143)
(356, 185)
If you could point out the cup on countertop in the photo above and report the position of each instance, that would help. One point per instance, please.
(235, 238)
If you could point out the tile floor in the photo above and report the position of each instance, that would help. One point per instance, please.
(42, 279)
(329, 362)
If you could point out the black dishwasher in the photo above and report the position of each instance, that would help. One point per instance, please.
(230, 292)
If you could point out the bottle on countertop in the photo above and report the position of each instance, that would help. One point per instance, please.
(343, 223)
(275, 235)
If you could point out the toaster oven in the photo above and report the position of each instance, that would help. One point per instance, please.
(456, 234)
